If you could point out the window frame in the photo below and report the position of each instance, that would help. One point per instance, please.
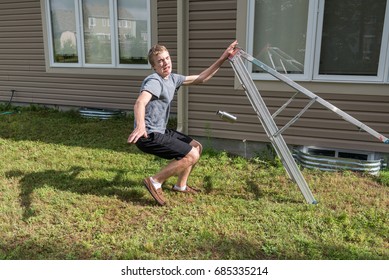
(115, 60)
(311, 25)
(313, 48)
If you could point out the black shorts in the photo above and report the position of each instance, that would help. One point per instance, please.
(170, 145)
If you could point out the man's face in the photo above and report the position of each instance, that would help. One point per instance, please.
(163, 64)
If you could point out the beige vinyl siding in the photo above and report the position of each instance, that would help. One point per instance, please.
(167, 33)
(212, 27)
(23, 67)
(167, 24)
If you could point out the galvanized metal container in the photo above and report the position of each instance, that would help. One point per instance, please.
(327, 163)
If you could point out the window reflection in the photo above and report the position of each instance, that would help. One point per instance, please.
(133, 31)
(97, 35)
(63, 28)
(352, 35)
(280, 31)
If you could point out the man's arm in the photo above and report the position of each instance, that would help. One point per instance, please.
(211, 70)
(139, 114)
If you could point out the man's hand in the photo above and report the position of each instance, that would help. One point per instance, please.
(139, 114)
(136, 134)
(230, 50)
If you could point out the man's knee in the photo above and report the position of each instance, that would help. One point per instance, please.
(193, 156)
(197, 145)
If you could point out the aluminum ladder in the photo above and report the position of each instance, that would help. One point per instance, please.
(267, 120)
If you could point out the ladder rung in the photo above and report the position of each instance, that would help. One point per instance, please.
(276, 113)
(292, 121)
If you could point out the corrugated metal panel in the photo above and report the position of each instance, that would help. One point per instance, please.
(212, 27)
(22, 63)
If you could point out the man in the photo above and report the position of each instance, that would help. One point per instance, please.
(151, 111)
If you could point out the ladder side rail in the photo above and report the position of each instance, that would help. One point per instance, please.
(240, 71)
(255, 98)
(320, 100)
(270, 127)
(353, 120)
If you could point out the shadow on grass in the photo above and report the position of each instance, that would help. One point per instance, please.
(68, 128)
(70, 181)
(218, 247)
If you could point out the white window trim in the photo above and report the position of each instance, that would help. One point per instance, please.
(313, 47)
(80, 39)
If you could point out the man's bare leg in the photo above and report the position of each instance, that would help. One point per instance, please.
(178, 167)
(184, 175)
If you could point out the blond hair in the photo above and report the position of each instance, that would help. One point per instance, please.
(155, 50)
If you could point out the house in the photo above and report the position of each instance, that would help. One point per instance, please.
(338, 49)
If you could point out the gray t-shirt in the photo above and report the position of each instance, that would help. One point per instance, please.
(163, 91)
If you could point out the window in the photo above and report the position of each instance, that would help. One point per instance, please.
(321, 40)
(273, 42)
(99, 33)
(351, 37)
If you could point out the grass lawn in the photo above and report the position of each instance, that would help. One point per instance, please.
(71, 188)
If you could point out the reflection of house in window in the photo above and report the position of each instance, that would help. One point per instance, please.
(106, 22)
(91, 22)
(131, 34)
(370, 36)
(100, 24)
(143, 36)
(64, 19)
(100, 27)
(368, 46)
(127, 24)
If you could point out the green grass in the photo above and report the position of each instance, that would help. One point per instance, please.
(71, 188)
